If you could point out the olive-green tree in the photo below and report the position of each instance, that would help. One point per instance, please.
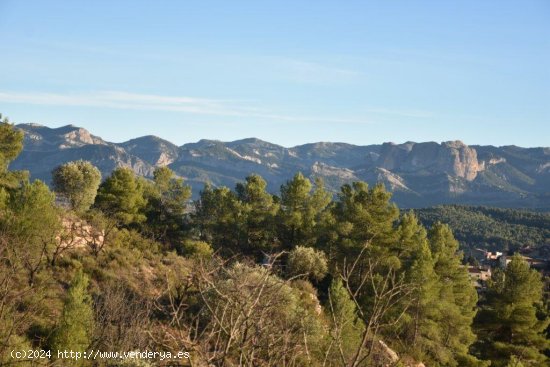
(307, 261)
(77, 182)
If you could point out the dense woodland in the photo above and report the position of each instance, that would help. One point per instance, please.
(492, 228)
(244, 277)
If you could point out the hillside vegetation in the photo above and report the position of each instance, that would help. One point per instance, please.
(241, 277)
(492, 228)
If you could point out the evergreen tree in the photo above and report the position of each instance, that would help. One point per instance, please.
(346, 328)
(78, 183)
(301, 210)
(166, 205)
(260, 210)
(11, 144)
(75, 328)
(411, 238)
(515, 362)
(362, 215)
(219, 219)
(512, 322)
(28, 227)
(457, 298)
(32, 223)
(120, 197)
(419, 329)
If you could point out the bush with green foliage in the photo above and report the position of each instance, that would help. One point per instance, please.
(75, 329)
(77, 182)
(308, 262)
(196, 249)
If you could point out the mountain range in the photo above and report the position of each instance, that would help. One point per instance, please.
(418, 174)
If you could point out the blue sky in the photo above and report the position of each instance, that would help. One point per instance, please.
(289, 72)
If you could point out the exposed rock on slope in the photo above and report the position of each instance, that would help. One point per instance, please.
(453, 157)
(419, 174)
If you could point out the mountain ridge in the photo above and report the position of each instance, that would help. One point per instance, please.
(419, 174)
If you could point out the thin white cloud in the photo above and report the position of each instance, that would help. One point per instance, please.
(136, 101)
(397, 112)
(121, 100)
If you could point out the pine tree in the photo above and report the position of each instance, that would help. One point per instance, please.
(32, 224)
(11, 144)
(512, 322)
(419, 329)
(514, 362)
(346, 328)
(260, 210)
(361, 216)
(75, 328)
(120, 196)
(300, 211)
(167, 199)
(457, 298)
(412, 238)
(219, 219)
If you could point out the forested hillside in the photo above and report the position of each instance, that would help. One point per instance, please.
(242, 277)
(492, 228)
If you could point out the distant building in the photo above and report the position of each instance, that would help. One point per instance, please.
(479, 275)
(493, 255)
(534, 263)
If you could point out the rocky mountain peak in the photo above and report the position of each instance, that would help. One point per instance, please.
(39, 137)
(419, 174)
(77, 136)
(152, 149)
(461, 160)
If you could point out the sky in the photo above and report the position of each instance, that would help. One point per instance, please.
(289, 72)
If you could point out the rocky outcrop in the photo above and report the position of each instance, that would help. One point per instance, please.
(419, 174)
(322, 169)
(42, 138)
(454, 158)
(77, 137)
(391, 180)
(46, 148)
(153, 150)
